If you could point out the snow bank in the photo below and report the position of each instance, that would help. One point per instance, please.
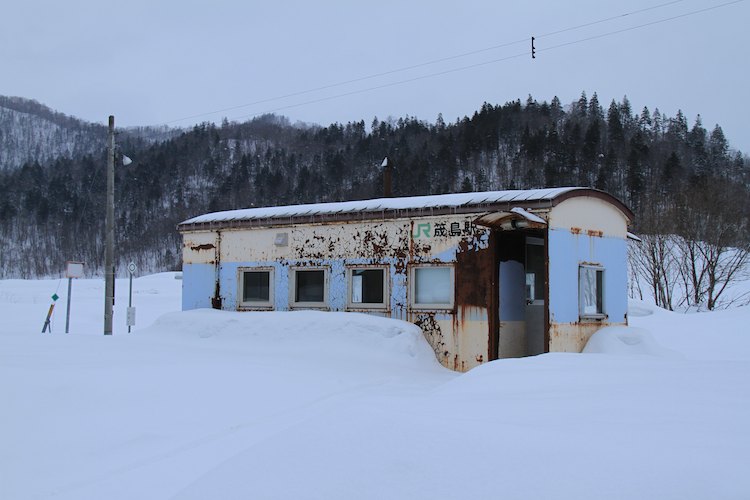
(626, 340)
(718, 335)
(330, 337)
(313, 405)
(563, 426)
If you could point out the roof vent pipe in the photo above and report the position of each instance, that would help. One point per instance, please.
(387, 178)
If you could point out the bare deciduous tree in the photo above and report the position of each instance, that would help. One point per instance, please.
(715, 241)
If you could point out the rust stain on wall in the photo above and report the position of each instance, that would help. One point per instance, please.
(434, 335)
(216, 301)
(458, 365)
(476, 300)
(595, 233)
(474, 269)
(205, 246)
(572, 337)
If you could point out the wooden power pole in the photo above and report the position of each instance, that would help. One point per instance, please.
(109, 267)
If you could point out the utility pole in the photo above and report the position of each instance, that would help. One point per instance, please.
(109, 267)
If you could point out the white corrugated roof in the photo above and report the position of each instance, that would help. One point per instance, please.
(383, 204)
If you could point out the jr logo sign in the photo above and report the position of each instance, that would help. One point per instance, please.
(424, 230)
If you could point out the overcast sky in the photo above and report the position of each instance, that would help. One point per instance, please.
(150, 62)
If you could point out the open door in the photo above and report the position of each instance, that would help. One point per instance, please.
(521, 267)
(535, 303)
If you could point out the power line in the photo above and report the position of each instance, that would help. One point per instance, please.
(595, 37)
(620, 16)
(486, 63)
(421, 65)
(462, 68)
(385, 85)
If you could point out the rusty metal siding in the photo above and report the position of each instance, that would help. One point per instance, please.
(199, 261)
(199, 248)
(481, 325)
(460, 336)
(584, 231)
(572, 337)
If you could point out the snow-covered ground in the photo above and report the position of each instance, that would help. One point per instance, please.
(220, 405)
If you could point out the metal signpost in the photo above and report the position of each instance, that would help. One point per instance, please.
(131, 310)
(72, 270)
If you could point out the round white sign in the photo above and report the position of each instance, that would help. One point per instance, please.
(131, 268)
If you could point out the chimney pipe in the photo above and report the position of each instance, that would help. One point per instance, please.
(387, 178)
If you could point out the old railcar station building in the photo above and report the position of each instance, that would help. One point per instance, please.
(485, 275)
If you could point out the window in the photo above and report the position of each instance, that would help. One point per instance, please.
(256, 288)
(591, 292)
(431, 287)
(368, 288)
(309, 288)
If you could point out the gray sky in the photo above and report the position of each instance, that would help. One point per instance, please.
(150, 62)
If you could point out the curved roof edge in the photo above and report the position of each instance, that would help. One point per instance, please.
(385, 208)
(602, 195)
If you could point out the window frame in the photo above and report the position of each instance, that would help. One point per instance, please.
(242, 304)
(293, 303)
(413, 304)
(380, 306)
(599, 315)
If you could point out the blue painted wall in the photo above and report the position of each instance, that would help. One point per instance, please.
(198, 283)
(228, 273)
(566, 252)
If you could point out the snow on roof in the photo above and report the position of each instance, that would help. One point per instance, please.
(384, 204)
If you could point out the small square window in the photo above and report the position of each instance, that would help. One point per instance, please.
(432, 287)
(256, 288)
(367, 288)
(591, 292)
(309, 288)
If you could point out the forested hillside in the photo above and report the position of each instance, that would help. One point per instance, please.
(31, 132)
(671, 173)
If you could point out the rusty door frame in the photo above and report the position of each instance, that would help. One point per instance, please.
(216, 302)
(495, 238)
(493, 314)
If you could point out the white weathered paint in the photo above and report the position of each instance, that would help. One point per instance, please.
(588, 214)
(199, 247)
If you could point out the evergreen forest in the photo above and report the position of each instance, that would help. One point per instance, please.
(679, 178)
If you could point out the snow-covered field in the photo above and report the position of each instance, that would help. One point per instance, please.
(219, 405)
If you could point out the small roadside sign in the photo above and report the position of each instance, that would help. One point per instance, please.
(131, 310)
(74, 269)
(131, 316)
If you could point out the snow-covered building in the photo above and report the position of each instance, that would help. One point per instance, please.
(485, 275)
